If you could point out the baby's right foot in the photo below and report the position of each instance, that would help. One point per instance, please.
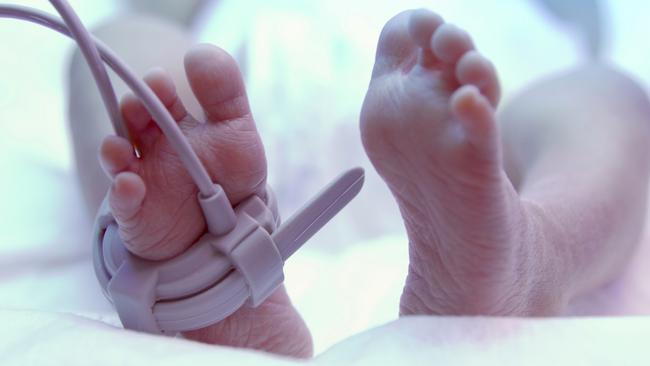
(429, 128)
(154, 200)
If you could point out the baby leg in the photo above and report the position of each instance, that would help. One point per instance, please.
(479, 242)
(576, 148)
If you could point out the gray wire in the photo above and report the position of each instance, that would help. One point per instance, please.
(90, 53)
(158, 111)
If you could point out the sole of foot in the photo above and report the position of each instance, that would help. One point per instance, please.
(428, 126)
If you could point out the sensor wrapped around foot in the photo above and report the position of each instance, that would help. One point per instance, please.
(208, 282)
(219, 273)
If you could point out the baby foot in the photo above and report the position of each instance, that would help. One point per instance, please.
(429, 128)
(154, 200)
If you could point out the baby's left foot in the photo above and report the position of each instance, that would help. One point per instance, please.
(154, 200)
(428, 126)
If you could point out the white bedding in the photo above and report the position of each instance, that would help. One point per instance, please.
(349, 278)
(35, 338)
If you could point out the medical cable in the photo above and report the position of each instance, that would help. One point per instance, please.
(158, 111)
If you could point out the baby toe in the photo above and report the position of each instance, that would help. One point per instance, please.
(137, 118)
(134, 113)
(449, 43)
(163, 86)
(395, 46)
(228, 142)
(217, 83)
(475, 114)
(474, 69)
(125, 198)
(116, 155)
(422, 24)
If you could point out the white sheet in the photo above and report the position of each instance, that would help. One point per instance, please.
(34, 338)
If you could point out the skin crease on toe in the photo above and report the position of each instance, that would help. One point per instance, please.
(155, 202)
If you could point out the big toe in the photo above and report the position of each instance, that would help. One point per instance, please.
(217, 83)
(234, 155)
